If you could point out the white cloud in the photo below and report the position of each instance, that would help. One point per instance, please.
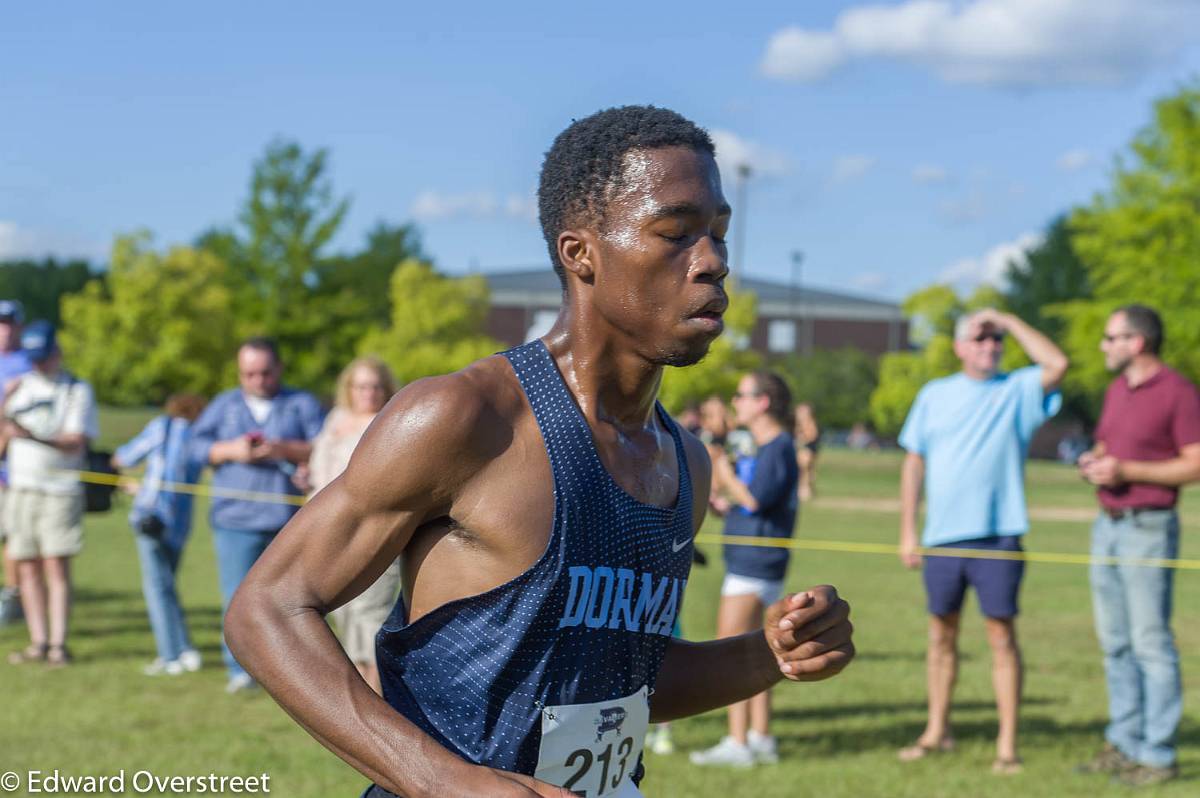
(734, 151)
(798, 54)
(996, 42)
(851, 167)
(930, 173)
(992, 266)
(434, 206)
(1074, 160)
(23, 242)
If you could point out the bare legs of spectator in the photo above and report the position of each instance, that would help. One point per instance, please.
(807, 461)
(941, 673)
(1007, 674)
(738, 615)
(46, 598)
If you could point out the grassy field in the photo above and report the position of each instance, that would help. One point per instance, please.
(837, 738)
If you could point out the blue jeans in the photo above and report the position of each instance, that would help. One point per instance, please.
(237, 550)
(1132, 606)
(159, 560)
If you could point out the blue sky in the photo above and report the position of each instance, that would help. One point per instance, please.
(894, 143)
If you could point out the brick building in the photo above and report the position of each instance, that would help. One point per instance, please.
(525, 303)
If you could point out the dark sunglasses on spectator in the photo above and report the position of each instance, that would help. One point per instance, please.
(997, 337)
(740, 395)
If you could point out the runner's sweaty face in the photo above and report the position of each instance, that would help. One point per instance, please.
(659, 277)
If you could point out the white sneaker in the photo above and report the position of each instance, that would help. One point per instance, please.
(240, 683)
(763, 747)
(161, 668)
(727, 752)
(658, 741)
(190, 660)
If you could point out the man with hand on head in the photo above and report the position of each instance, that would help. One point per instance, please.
(967, 436)
(544, 504)
(1147, 448)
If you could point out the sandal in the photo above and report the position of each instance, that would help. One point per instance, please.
(34, 652)
(920, 750)
(58, 656)
(1008, 767)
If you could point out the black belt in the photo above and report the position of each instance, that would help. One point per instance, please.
(1117, 513)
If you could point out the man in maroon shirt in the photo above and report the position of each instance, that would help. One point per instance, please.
(1147, 447)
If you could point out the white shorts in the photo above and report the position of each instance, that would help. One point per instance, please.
(40, 524)
(767, 591)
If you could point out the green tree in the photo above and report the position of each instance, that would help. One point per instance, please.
(1140, 242)
(367, 274)
(837, 383)
(277, 255)
(159, 323)
(436, 325)
(932, 311)
(727, 360)
(41, 284)
(1052, 272)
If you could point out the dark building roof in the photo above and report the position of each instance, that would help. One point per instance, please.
(541, 288)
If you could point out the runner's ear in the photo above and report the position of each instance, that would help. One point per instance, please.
(576, 251)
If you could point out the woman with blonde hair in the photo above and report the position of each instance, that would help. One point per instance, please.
(363, 388)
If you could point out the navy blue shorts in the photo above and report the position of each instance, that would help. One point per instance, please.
(996, 582)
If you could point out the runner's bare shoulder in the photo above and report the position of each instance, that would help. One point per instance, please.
(436, 434)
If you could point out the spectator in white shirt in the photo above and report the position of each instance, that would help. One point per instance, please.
(49, 419)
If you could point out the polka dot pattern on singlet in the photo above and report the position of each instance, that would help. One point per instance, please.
(475, 673)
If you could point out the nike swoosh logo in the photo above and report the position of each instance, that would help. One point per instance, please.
(677, 546)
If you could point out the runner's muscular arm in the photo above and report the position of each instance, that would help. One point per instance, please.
(806, 637)
(430, 441)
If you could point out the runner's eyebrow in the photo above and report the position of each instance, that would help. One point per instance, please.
(686, 209)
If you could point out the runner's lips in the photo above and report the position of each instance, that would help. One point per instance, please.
(714, 309)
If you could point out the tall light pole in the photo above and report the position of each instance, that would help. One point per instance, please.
(739, 256)
(794, 296)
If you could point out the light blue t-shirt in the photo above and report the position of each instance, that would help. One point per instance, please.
(974, 435)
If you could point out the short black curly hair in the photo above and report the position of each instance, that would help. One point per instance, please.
(583, 168)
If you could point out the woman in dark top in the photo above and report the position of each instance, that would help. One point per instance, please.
(757, 496)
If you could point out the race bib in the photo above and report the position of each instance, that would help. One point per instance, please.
(593, 749)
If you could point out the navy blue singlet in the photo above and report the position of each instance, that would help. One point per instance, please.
(588, 622)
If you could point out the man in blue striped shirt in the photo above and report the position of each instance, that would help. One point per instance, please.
(253, 436)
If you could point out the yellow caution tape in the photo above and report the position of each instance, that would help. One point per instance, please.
(976, 554)
(851, 547)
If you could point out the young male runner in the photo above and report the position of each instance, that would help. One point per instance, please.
(544, 505)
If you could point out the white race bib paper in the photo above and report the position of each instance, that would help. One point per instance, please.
(593, 749)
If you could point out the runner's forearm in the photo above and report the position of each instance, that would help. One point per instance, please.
(698, 677)
(296, 657)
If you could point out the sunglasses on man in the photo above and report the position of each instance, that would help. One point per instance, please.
(995, 337)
